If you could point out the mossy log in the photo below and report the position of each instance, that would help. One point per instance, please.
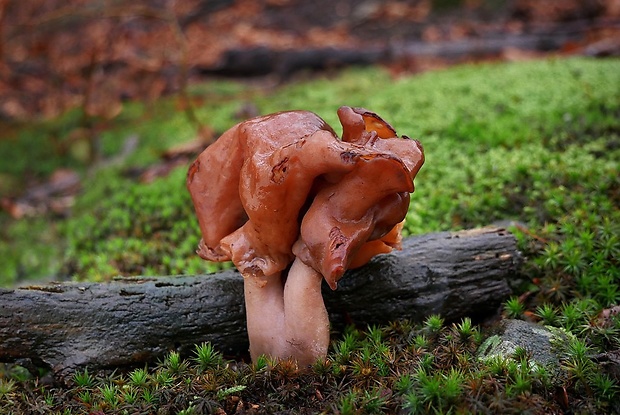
(129, 321)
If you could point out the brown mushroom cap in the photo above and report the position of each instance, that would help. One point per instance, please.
(284, 185)
(363, 206)
(349, 221)
(246, 210)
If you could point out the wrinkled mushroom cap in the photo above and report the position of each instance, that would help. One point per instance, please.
(361, 215)
(284, 185)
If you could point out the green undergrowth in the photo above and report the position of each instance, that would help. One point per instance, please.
(523, 142)
(532, 145)
(140, 230)
(430, 367)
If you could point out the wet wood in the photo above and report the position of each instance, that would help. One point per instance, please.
(69, 326)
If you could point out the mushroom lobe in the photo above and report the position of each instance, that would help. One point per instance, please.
(364, 206)
(247, 209)
(284, 185)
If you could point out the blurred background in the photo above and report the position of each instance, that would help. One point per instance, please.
(57, 55)
(81, 83)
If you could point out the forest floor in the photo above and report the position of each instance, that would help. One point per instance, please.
(104, 106)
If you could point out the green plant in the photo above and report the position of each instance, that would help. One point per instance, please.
(434, 393)
(577, 360)
(149, 397)
(83, 379)
(497, 365)
(403, 384)
(375, 334)
(514, 308)
(572, 316)
(367, 402)
(363, 363)
(6, 387)
(163, 378)
(373, 401)
(174, 363)
(207, 357)
(138, 377)
(129, 394)
(551, 256)
(543, 378)
(260, 363)
(420, 341)
(426, 362)
(603, 336)
(521, 354)
(433, 323)
(109, 394)
(85, 396)
(520, 374)
(520, 383)
(466, 329)
(223, 393)
(347, 404)
(345, 347)
(547, 314)
(606, 387)
(48, 398)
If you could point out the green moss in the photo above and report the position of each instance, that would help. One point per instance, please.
(487, 132)
(28, 249)
(443, 377)
(502, 141)
(147, 229)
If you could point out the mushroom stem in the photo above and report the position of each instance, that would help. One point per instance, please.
(264, 305)
(290, 320)
(306, 318)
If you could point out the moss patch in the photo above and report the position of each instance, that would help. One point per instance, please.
(502, 141)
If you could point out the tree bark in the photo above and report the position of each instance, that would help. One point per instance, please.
(70, 326)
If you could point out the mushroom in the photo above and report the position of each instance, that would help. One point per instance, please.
(291, 204)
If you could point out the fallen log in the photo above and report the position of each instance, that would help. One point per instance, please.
(262, 60)
(69, 326)
(259, 61)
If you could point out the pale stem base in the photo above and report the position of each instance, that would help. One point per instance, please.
(287, 320)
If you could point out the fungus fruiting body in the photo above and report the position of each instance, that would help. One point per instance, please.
(291, 204)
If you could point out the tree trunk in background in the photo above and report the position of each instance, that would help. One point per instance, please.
(130, 321)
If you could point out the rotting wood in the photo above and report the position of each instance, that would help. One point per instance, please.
(129, 321)
(262, 60)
